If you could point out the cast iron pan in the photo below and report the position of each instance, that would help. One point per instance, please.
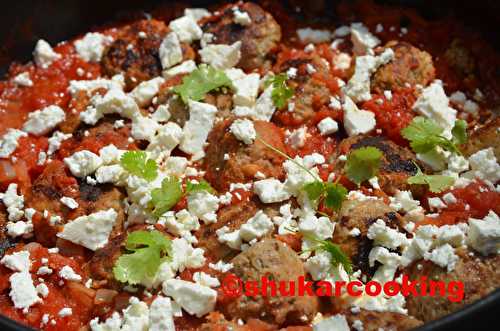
(23, 22)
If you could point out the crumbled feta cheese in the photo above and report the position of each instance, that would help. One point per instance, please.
(170, 51)
(484, 235)
(83, 163)
(241, 18)
(23, 79)
(297, 138)
(203, 205)
(23, 292)
(337, 322)
(115, 101)
(342, 61)
(19, 228)
(9, 142)
(69, 202)
(186, 29)
(362, 39)
(221, 56)
(484, 165)
(196, 129)
(196, 13)
(243, 130)
(91, 231)
(44, 55)
(221, 266)
(183, 68)
(246, 87)
(357, 121)
(168, 136)
(17, 261)
(194, 298)
(92, 45)
(433, 104)
(42, 289)
(145, 91)
(385, 236)
(271, 190)
(205, 279)
(444, 256)
(68, 273)
(256, 226)
(64, 312)
(55, 141)
(13, 202)
(161, 315)
(309, 35)
(42, 121)
(144, 128)
(328, 126)
(436, 203)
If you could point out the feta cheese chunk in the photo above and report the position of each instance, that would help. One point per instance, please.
(91, 47)
(91, 231)
(315, 36)
(69, 202)
(196, 13)
(23, 292)
(484, 235)
(241, 17)
(183, 68)
(203, 205)
(271, 190)
(221, 56)
(23, 79)
(186, 28)
(9, 142)
(56, 140)
(13, 202)
(145, 91)
(328, 126)
(433, 104)
(44, 55)
(68, 273)
(484, 165)
(246, 86)
(256, 227)
(194, 298)
(357, 121)
(243, 130)
(161, 315)
(362, 39)
(83, 163)
(170, 51)
(17, 261)
(337, 322)
(196, 129)
(42, 121)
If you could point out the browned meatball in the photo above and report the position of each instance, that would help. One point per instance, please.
(361, 215)
(307, 89)
(486, 136)
(409, 66)
(273, 259)
(460, 58)
(397, 164)
(479, 275)
(257, 38)
(5, 241)
(135, 56)
(374, 320)
(244, 160)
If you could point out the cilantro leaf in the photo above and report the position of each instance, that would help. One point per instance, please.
(363, 164)
(137, 163)
(281, 92)
(145, 251)
(336, 253)
(314, 190)
(200, 81)
(335, 195)
(203, 185)
(424, 135)
(164, 198)
(437, 183)
(459, 132)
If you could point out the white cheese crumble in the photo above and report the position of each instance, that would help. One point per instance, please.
(246, 87)
(203, 205)
(17, 261)
(186, 29)
(23, 79)
(337, 322)
(196, 129)
(221, 56)
(56, 140)
(91, 231)
(183, 68)
(9, 142)
(315, 36)
(362, 39)
(194, 298)
(243, 130)
(241, 17)
(44, 55)
(484, 165)
(91, 47)
(67, 273)
(170, 51)
(484, 235)
(83, 163)
(357, 121)
(23, 292)
(145, 91)
(42, 121)
(328, 126)
(13, 202)
(271, 190)
(69, 202)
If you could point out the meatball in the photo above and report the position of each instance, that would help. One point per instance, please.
(308, 90)
(397, 164)
(409, 66)
(135, 56)
(257, 39)
(5, 242)
(361, 215)
(460, 58)
(374, 320)
(275, 260)
(244, 160)
(487, 135)
(479, 275)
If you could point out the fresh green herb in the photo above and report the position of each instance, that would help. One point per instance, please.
(437, 183)
(336, 253)
(200, 81)
(203, 185)
(137, 163)
(424, 135)
(332, 194)
(164, 198)
(281, 92)
(145, 251)
(363, 164)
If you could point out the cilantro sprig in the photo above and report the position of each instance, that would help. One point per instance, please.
(436, 183)
(200, 81)
(331, 194)
(170, 192)
(137, 163)
(145, 251)
(424, 135)
(281, 91)
(363, 164)
(336, 253)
